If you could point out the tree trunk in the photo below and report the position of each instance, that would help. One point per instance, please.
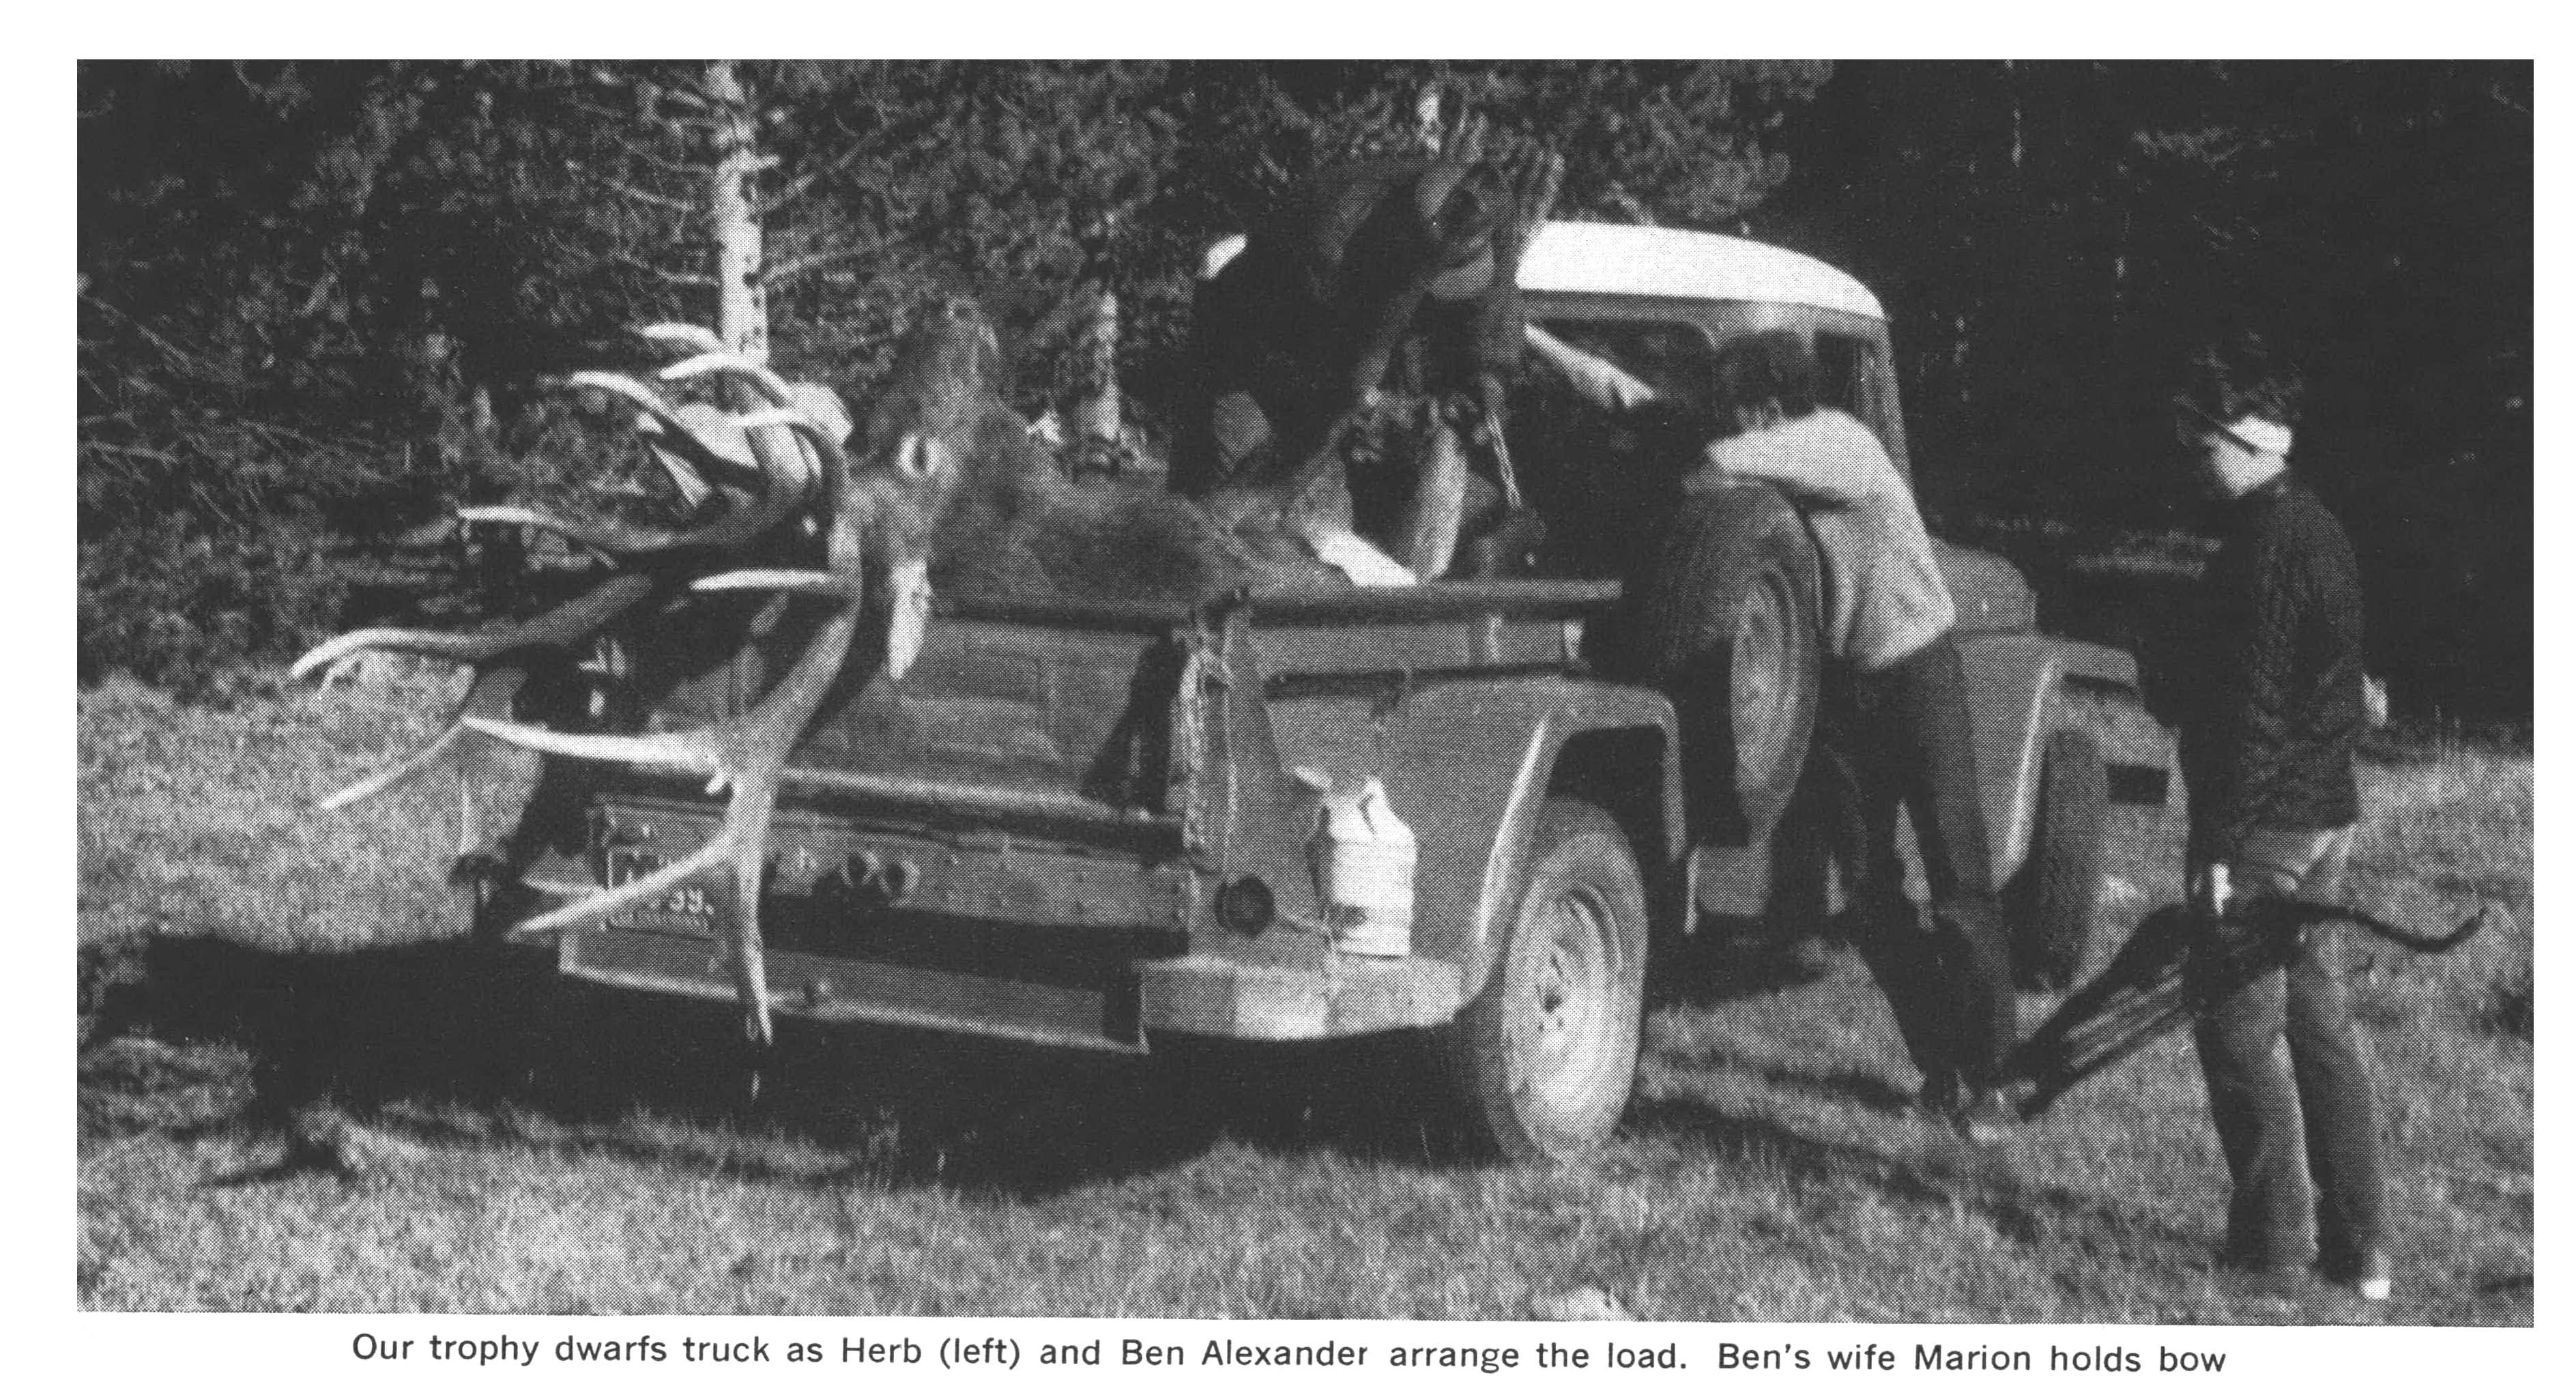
(742, 306)
(1097, 412)
(742, 301)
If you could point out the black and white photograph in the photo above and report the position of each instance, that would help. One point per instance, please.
(1680, 693)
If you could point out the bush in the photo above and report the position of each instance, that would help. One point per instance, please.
(187, 608)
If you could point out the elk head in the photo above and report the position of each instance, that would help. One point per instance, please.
(925, 482)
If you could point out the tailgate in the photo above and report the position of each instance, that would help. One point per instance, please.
(1018, 721)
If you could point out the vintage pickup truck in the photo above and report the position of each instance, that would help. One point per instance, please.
(1096, 826)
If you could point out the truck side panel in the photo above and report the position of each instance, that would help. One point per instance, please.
(1467, 760)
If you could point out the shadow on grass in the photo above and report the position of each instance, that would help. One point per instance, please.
(1948, 1175)
(1855, 1088)
(189, 1035)
(1732, 958)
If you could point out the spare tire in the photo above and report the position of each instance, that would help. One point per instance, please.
(1725, 625)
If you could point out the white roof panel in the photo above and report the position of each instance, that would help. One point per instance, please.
(1623, 259)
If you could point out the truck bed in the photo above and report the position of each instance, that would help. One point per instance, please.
(1028, 835)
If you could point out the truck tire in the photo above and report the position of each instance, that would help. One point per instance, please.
(1727, 629)
(2062, 879)
(1542, 1060)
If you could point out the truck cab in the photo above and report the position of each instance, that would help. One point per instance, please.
(2060, 729)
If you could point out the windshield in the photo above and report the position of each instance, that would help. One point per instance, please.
(1673, 358)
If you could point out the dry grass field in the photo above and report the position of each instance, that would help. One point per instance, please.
(297, 1092)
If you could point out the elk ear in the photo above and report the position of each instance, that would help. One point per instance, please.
(920, 457)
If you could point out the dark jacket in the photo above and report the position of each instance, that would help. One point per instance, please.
(1309, 315)
(2270, 741)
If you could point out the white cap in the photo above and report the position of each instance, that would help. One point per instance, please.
(2261, 433)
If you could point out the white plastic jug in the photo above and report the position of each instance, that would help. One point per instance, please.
(1363, 858)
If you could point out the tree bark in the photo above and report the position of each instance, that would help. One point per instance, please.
(1097, 412)
(742, 304)
(742, 293)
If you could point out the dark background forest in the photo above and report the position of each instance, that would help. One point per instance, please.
(316, 298)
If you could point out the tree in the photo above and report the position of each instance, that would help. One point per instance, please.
(310, 291)
(2050, 237)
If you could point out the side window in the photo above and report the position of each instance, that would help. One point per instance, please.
(1855, 378)
(1603, 480)
(1846, 380)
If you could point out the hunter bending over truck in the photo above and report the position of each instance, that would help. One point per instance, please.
(1895, 717)
(1297, 326)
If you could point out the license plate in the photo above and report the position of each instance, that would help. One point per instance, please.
(686, 909)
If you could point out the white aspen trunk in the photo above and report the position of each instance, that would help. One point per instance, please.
(742, 304)
(742, 301)
(1097, 412)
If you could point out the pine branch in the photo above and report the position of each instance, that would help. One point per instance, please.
(798, 266)
(797, 187)
(628, 259)
(641, 196)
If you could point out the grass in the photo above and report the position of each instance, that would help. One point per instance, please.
(298, 1093)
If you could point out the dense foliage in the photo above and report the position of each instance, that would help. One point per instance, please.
(315, 297)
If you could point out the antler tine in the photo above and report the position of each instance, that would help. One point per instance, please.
(746, 754)
(692, 337)
(726, 361)
(489, 695)
(798, 580)
(634, 390)
(575, 620)
(748, 517)
(676, 430)
(811, 410)
(779, 475)
(820, 439)
(429, 755)
(438, 645)
(747, 520)
(693, 487)
(694, 751)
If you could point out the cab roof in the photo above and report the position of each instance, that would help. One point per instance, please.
(1622, 259)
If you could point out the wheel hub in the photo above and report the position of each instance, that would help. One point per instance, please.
(1568, 991)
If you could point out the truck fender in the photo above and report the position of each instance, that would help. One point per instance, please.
(2022, 686)
(1475, 811)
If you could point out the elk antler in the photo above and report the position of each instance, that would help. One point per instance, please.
(745, 755)
(493, 687)
(684, 443)
(790, 443)
(782, 453)
(747, 519)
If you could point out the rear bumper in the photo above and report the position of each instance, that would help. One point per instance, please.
(1348, 995)
(1111, 1006)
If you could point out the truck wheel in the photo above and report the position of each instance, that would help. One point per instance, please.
(1728, 631)
(1543, 1059)
(2062, 879)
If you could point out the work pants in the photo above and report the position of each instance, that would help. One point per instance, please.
(1902, 739)
(2289, 1089)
